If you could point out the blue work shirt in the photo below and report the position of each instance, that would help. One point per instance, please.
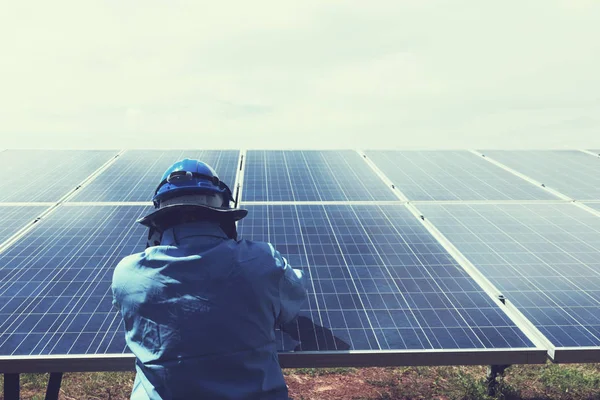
(200, 312)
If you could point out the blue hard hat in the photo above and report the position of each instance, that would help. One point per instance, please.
(190, 177)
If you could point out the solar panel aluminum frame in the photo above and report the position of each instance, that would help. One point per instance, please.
(28, 224)
(564, 355)
(586, 206)
(53, 205)
(372, 358)
(551, 189)
(591, 153)
(307, 359)
(522, 176)
(117, 362)
(556, 354)
(536, 337)
(583, 354)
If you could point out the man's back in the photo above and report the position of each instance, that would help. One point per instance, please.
(200, 315)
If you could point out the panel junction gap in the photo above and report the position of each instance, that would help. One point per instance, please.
(522, 176)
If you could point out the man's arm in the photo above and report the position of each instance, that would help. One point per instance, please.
(292, 290)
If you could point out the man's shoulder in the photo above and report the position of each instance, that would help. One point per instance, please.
(260, 252)
(130, 260)
(127, 265)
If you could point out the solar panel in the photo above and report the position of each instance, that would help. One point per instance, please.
(55, 295)
(595, 206)
(452, 175)
(135, 175)
(13, 218)
(379, 281)
(376, 284)
(543, 257)
(311, 176)
(45, 175)
(572, 173)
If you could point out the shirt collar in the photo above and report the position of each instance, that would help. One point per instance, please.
(179, 233)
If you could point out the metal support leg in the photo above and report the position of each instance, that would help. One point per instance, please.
(492, 372)
(11, 387)
(54, 385)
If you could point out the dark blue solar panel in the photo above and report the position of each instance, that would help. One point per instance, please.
(55, 295)
(573, 173)
(375, 284)
(452, 175)
(545, 258)
(13, 218)
(311, 176)
(135, 175)
(379, 281)
(45, 175)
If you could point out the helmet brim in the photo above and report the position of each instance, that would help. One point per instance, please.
(168, 216)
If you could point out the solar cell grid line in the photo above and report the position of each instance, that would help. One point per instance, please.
(135, 175)
(543, 258)
(570, 172)
(311, 175)
(13, 218)
(379, 282)
(452, 175)
(57, 299)
(46, 175)
(349, 173)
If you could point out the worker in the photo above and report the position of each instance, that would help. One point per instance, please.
(200, 306)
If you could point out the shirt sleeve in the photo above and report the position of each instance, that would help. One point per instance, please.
(292, 290)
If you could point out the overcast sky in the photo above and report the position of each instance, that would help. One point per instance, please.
(367, 74)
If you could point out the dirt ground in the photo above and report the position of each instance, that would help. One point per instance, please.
(534, 382)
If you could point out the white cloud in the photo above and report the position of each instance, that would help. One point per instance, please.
(317, 74)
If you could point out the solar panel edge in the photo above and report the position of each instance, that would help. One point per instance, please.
(429, 179)
(525, 325)
(27, 225)
(316, 175)
(140, 184)
(555, 350)
(566, 177)
(65, 183)
(435, 357)
(45, 213)
(266, 206)
(558, 349)
(354, 358)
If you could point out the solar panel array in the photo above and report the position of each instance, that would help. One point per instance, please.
(16, 217)
(55, 295)
(452, 175)
(572, 173)
(135, 175)
(380, 281)
(46, 175)
(543, 257)
(311, 176)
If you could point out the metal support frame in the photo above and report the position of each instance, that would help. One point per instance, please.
(53, 388)
(492, 373)
(11, 387)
